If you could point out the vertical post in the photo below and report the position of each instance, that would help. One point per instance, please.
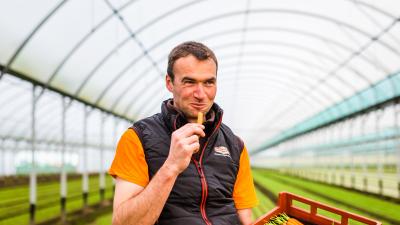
(334, 164)
(306, 165)
(115, 135)
(292, 167)
(63, 177)
(320, 157)
(299, 171)
(343, 155)
(365, 161)
(352, 154)
(335, 154)
(102, 175)
(324, 134)
(314, 163)
(396, 119)
(379, 113)
(32, 177)
(13, 151)
(85, 178)
(3, 157)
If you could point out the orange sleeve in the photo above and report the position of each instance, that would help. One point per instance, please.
(244, 193)
(129, 162)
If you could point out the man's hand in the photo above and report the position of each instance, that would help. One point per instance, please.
(245, 216)
(184, 142)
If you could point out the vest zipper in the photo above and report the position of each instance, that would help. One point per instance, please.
(204, 192)
(204, 186)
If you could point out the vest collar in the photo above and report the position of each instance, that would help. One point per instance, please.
(174, 118)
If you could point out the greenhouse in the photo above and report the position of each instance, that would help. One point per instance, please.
(312, 88)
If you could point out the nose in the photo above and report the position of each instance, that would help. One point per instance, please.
(199, 92)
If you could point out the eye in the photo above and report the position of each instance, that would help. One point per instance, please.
(209, 82)
(188, 82)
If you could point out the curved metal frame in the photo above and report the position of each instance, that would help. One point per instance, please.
(271, 80)
(328, 40)
(208, 20)
(273, 54)
(286, 30)
(154, 64)
(102, 61)
(229, 14)
(256, 74)
(29, 37)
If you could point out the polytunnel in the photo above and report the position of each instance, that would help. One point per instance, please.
(311, 87)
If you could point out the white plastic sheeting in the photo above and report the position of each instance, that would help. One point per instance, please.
(281, 61)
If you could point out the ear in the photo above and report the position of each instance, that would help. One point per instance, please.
(168, 83)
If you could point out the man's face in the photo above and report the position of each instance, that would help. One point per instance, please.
(194, 86)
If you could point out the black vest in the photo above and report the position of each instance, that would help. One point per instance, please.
(202, 194)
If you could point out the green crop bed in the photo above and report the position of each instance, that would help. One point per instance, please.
(265, 205)
(14, 204)
(103, 220)
(363, 204)
(15, 201)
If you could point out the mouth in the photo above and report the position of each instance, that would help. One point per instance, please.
(198, 106)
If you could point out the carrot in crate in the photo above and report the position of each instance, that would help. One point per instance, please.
(277, 215)
(283, 219)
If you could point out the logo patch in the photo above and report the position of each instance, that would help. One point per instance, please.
(222, 151)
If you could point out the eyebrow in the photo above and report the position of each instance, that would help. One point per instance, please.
(191, 79)
(187, 79)
(212, 79)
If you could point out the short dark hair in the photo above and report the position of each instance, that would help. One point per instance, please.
(198, 50)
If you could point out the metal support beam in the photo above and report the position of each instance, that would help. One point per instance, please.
(32, 177)
(63, 177)
(57, 90)
(365, 163)
(334, 167)
(3, 157)
(352, 155)
(380, 150)
(397, 124)
(343, 154)
(13, 152)
(115, 142)
(101, 172)
(85, 175)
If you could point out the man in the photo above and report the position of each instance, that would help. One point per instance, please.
(171, 170)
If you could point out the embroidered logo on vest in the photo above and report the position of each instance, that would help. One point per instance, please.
(222, 151)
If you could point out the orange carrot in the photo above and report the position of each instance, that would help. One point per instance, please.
(294, 221)
(200, 118)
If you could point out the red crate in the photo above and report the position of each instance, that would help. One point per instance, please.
(285, 205)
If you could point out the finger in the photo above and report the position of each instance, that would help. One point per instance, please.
(191, 129)
(183, 142)
(187, 127)
(199, 132)
(192, 139)
(194, 125)
(194, 147)
(189, 140)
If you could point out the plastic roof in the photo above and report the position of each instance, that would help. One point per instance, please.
(281, 61)
(377, 95)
